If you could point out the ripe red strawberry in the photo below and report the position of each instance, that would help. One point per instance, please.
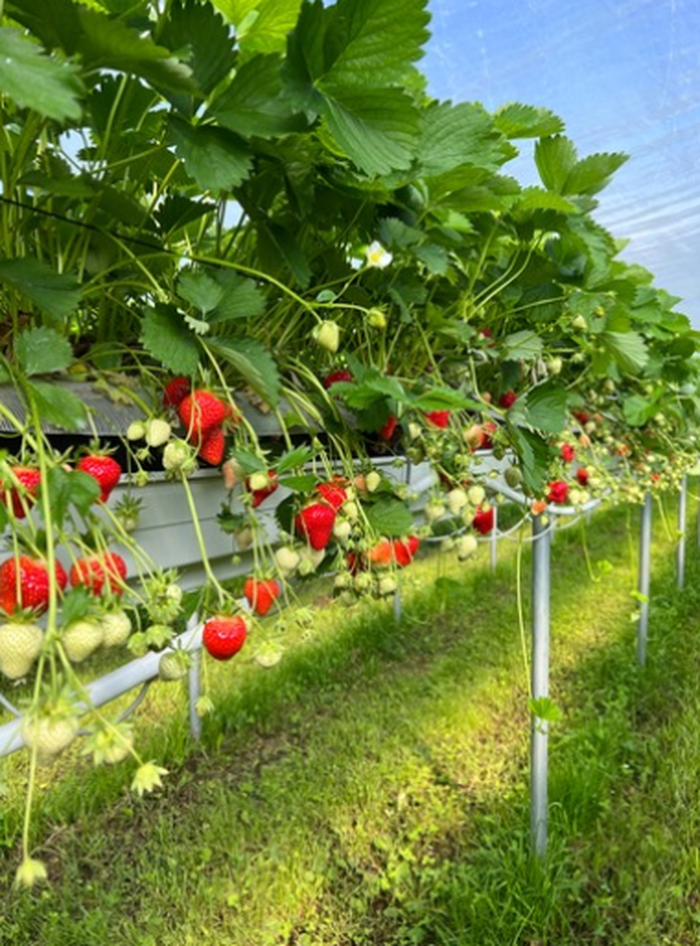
(224, 635)
(387, 431)
(483, 520)
(259, 495)
(24, 583)
(507, 399)
(333, 493)
(438, 418)
(175, 391)
(105, 469)
(261, 594)
(338, 375)
(19, 498)
(567, 452)
(202, 411)
(315, 523)
(99, 571)
(405, 549)
(557, 492)
(582, 475)
(582, 416)
(213, 446)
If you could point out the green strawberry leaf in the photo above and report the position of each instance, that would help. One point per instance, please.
(200, 289)
(516, 120)
(390, 517)
(216, 159)
(255, 102)
(57, 405)
(291, 459)
(534, 453)
(42, 350)
(525, 345)
(627, 348)
(284, 513)
(301, 483)
(454, 135)
(253, 362)
(593, 173)
(166, 337)
(198, 28)
(266, 30)
(70, 487)
(248, 461)
(555, 158)
(543, 408)
(240, 298)
(35, 81)
(56, 294)
(75, 604)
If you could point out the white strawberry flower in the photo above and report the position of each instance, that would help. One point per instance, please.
(377, 257)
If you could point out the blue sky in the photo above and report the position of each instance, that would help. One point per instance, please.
(623, 75)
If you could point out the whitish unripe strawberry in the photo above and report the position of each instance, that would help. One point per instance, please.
(178, 457)
(136, 430)
(286, 559)
(386, 585)
(351, 511)
(555, 365)
(81, 638)
(377, 318)
(173, 665)
(259, 480)
(362, 582)
(327, 335)
(48, 735)
(373, 481)
(476, 495)
(341, 530)
(244, 538)
(116, 628)
(457, 499)
(342, 581)
(158, 432)
(433, 509)
(466, 546)
(20, 644)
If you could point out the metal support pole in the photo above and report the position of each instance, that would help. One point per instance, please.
(643, 587)
(194, 686)
(494, 538)
(680, 549)
(541, 572)
(398, 607)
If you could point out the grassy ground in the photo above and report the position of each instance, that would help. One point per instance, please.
(372, 788)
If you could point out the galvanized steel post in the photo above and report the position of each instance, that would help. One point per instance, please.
(643, 586)
(541, 574)
(680, 549)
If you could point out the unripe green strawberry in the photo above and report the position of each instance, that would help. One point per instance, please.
(20, 645)
(81, 638)
(579, 323)
(362, 582)
(48, 735)
(555, 365)
(351, 510)
(513, 476)
(327, 335)
(377, 319)
(158, 432)
(387, 585)
(116, 628)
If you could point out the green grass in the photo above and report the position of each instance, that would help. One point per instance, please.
(372, 788)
